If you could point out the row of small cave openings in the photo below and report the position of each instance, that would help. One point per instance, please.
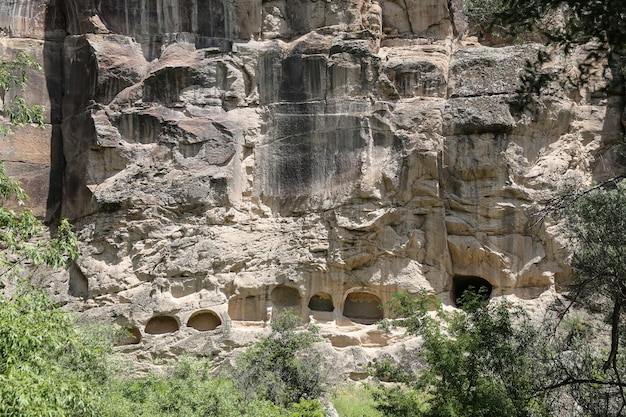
(359, 306)
(203, 320)
(362, 307)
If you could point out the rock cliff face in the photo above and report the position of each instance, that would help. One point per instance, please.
(224, 159)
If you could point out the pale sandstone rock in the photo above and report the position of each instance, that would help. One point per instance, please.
(228, 159)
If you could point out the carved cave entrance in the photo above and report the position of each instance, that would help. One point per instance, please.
(133, 337)
(321, 301)
(363, 307)
(162, 325)
(204, 320)
(476, 285)
(284, 297)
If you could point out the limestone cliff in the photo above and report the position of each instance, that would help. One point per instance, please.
(222, 159)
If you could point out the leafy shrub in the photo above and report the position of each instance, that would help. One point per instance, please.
(48, 366)
(354, 401)
(400, 401)
(283, 367)
(189, 390)
(480, 361)
(387, 371)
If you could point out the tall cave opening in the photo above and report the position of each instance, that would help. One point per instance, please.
(476, 285)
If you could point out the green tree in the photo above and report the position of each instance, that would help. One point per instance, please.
(283, 367)
(479, 362)
(566, 23)
(578, 21)
(48, 366)
(13, 82)
(188, 389)
(594, 222)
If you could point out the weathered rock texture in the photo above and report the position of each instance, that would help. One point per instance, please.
(225, 159)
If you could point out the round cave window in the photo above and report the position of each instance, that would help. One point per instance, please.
(161, 325)
(363, 307)
(476, 285)
(204, 321)
(321, 302)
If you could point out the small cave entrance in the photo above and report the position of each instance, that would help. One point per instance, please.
(162, 325)
(204, 320)
(363, 307)
(132, 337)
(284, 297)
(476, 285)
(321, 301)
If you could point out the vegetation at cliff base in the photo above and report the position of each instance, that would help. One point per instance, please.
(479, 362)
(284, 367)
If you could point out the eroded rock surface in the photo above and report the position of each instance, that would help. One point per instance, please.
(227, 159)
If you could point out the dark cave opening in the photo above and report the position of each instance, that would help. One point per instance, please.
(321, 302)
(363, 307)
(476, 285)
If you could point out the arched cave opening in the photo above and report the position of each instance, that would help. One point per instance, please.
(363, 307)
(162, 325)
(284, 297)
(132, 337)
(204, 320)
(321, 301)
(476, 285)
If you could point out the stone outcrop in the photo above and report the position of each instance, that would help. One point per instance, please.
(223, 160)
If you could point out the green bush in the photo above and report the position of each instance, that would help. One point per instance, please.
(354, 401)
(189, 390)
(48, 366)
(480, 362)
(283, 367)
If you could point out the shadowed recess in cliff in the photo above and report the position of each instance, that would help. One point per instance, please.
(55, 30)
(284, 297)
(476, 285)
(204, 320)
(321, 301)
(131, 337)
(363, 307)
(162, 325)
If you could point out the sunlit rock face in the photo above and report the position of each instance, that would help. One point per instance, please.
(224, 160)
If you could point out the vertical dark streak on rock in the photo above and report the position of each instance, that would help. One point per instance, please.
(54, 34)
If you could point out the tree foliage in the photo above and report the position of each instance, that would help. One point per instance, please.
(188, 389)
(562, 22)
(48, 365)
(13, 82)
(595, 223)
(478, 362)
(283, 367)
